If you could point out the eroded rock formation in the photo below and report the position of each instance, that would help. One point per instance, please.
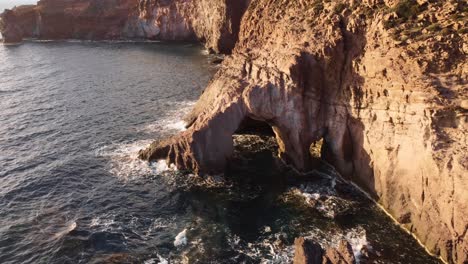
(383, 83)
(214, 22)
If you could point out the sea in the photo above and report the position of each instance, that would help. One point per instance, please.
(73, 116)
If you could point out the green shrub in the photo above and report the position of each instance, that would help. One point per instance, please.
(434, 27)
(407, 9)
(317, 6)
(463, 31)
(339, 8)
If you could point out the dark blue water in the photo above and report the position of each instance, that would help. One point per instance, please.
(72, 119)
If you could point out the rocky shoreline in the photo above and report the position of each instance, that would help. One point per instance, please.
(215, 23)
(383, 83)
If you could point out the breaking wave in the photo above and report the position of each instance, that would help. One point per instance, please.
(172, 122)
(125, 164)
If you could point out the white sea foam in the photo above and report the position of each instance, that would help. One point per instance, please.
(269, 250)
(150, 261)
(358, 239)
(181, 239)
(67, 229)
(124, 161)
(323, 197)
(160, 260)
(125, 164)
(172, 121)
(160, 224)
(180, 126)
(103, 223)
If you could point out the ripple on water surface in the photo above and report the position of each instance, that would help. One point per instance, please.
(74, 116)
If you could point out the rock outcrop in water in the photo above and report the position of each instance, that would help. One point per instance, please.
(310, 252)
(382, 82)
(215, 23)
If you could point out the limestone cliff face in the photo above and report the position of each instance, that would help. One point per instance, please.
(66, 19)
(383, 83)
(215, 23)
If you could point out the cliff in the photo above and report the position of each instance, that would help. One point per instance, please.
(382, 82)
(215, 23)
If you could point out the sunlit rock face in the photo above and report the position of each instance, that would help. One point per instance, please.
(214, 22)
(382, 83)
(389, 107)
(69, 19)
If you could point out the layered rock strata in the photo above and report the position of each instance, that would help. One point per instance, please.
(375, 80)
(382, 82)
(215, 23)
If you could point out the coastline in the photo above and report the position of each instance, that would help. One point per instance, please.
(390, 110)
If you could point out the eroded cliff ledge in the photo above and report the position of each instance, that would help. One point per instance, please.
(213, 22)
(383, 83)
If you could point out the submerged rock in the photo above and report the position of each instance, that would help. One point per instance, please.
(307, 252)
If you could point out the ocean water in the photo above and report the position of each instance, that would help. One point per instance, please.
(73, 116)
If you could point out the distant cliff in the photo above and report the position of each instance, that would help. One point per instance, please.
(382, 82)
(213, 22)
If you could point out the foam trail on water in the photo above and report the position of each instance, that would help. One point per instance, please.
(125, 164)
(70, 227)
(172, 121)
(358, 239)
(181, 239)
(180, 126)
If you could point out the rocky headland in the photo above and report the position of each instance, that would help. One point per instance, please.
(215, 23)
(383, 83)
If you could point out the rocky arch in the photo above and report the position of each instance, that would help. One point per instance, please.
(290, 101)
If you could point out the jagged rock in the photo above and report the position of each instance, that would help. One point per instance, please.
(386, 108)
(310, 252)
(15, 24)
(385, 111)
(342, 254)
(307, 252)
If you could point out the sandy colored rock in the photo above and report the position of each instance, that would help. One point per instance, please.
(385, 108)
(381, 82)
(342, 254)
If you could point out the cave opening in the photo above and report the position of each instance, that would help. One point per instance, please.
(255, 158)
(250, 126)
(255, 140)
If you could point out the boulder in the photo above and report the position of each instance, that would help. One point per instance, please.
(309, 252)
